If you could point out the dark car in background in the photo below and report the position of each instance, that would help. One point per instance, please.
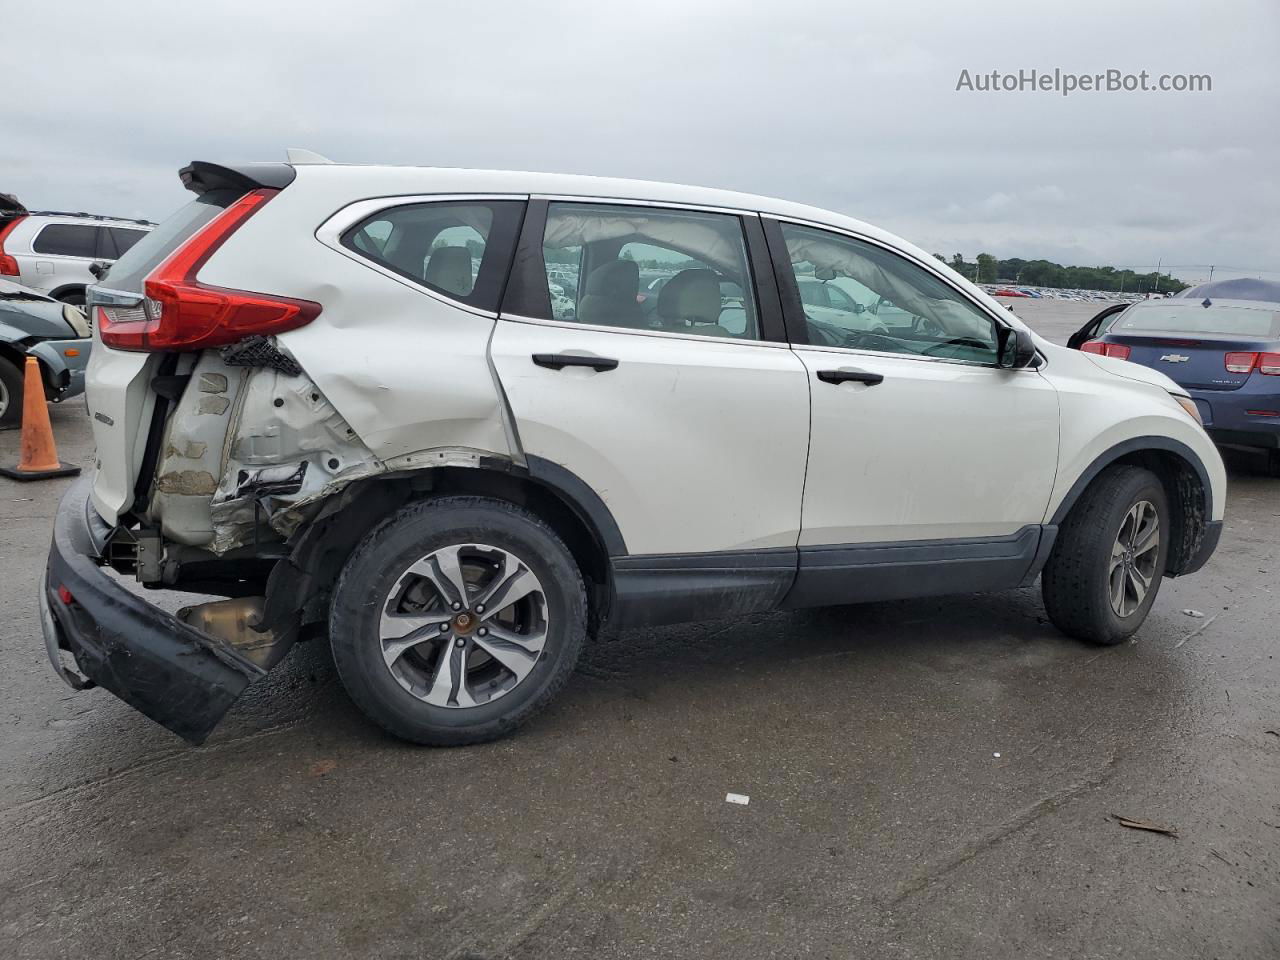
(1224, 350)
(55, 333)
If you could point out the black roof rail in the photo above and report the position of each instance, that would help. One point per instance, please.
(87, 216)
(200, 176)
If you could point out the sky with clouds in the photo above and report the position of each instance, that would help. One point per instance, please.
(849, 106)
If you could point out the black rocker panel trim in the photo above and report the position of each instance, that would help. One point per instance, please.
(856, 573)
(654, 589)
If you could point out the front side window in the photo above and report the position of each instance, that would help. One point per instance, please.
(645, 268)
(855, 294)
(67, 240)
(459, 249)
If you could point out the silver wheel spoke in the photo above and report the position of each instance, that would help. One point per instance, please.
(507, 587)
(1147, 539)
(400, 632)
(515, 652)
(1117, 590)
(444, 570)
(449, 688)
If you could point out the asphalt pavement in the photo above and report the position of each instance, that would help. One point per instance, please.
(926, 779)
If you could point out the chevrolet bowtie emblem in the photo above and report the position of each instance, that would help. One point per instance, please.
(1174, 358)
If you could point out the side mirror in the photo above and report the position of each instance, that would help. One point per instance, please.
(1017, 348)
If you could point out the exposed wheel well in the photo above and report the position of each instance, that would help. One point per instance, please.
(299, 587)
(1185, 490)
(19, 361)
(70, 288)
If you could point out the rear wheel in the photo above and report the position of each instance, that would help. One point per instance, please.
(74, 297)
(1109, 558)
(1273, 462)
(10, 395)
(456, 620)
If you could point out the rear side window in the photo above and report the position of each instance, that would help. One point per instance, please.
(67, 240)
(121, 240)
(459, 249)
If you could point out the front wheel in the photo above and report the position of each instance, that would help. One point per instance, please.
(457, 619)
(1109, 558)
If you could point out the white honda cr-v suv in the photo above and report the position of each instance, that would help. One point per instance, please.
(344, 398)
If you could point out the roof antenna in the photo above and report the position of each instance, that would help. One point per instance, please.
(1207, 303)
(299, 155)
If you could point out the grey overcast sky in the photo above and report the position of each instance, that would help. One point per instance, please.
(850, 106)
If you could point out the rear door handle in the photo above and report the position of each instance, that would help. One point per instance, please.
(840, 376)
(558, 361)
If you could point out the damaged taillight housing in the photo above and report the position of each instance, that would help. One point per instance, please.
(181, 313)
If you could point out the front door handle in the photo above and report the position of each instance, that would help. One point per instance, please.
(840, 376)
(558, 361)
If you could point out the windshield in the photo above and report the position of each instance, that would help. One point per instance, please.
(1173, 317)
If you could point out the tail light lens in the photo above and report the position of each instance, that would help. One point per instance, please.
(1241, 362)
(1117, 350)
(8, 265)
(1269, 363)
(181, 313)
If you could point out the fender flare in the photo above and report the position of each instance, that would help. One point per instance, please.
(578, 494)
(1135, 445)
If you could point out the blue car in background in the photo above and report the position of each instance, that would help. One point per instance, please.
(1220, 341)
(55, 333)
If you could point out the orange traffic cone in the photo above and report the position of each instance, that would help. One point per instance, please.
(39, 457)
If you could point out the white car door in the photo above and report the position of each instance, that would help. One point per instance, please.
(687, 414)
(927, 462)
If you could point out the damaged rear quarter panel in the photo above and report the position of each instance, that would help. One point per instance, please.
(231, 424)
(408, 371)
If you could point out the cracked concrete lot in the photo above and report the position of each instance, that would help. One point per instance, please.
(926, 779)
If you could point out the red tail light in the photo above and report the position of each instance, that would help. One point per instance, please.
(8, 265)
(184, 314)
(1117, 350)
(1269, 363)
(1241, 362)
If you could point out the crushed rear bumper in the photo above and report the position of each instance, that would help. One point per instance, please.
(160, 666)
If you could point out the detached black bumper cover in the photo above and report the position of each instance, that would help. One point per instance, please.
(154, 662)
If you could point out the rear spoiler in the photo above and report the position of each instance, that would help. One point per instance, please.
(200, 176)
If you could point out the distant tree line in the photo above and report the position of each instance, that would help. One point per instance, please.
(1045, 273)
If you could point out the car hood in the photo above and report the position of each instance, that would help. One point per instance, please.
(1134, 371)
(23, 318)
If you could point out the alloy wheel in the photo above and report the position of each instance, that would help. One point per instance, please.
(463, 626)
(1133, 558)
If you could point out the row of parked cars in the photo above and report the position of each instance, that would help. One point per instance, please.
(47, 259)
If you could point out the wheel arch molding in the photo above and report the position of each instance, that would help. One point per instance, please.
(1187, 486)
(300, 584)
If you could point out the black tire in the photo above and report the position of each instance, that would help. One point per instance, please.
(73, 297)
(1075, 582)
(1273, 463)
(10, 395)
(380, 560)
